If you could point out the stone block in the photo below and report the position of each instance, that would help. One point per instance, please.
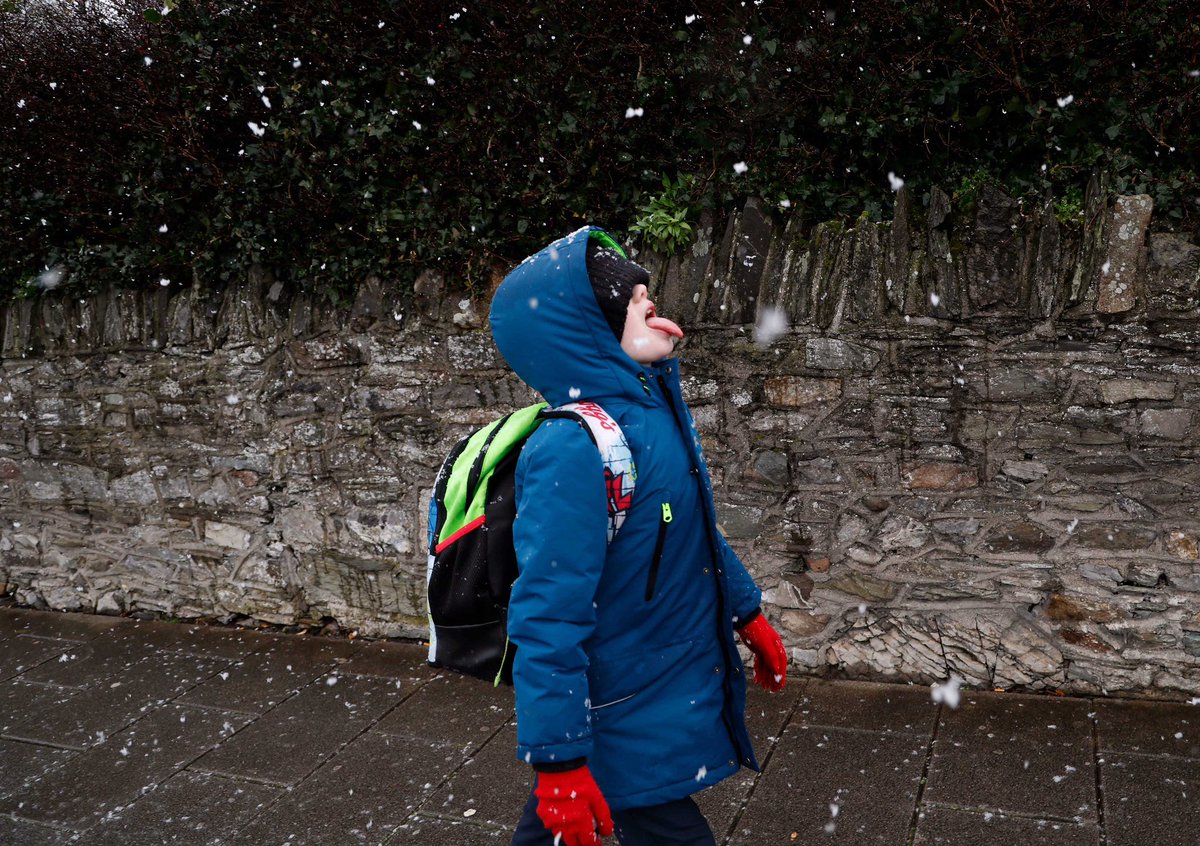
(900, 532)
(1183, 544)
(224, 534)
(771, 467)
(1172, 424)
(1019, 537)
(803, 623)
(798, 391)
(1173, 265)
(993, 259)
(863, 585)
(1114, 391)
(1114, 536)
(939, 476)
(1067, 608)
(1025, 471)
(1118, 278)
(836, 354)
(739, 522)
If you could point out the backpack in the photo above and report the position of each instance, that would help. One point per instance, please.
(472, 560)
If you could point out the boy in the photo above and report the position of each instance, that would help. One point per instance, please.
(629, 686)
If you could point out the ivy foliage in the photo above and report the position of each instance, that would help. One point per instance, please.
(329, 141)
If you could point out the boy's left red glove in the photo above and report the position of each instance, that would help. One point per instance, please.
(770, 658)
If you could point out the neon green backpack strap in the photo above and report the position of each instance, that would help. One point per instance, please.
(465, 492)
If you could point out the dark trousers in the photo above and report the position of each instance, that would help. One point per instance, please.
(677, 823)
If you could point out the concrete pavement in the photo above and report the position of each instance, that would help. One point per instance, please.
(114, 731)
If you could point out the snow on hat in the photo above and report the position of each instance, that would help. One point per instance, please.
(613, 279)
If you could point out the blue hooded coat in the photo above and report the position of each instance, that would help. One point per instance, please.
(623, 660)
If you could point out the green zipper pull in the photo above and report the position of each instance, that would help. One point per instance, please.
(666, 512)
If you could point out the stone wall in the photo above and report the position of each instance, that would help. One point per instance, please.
(971, 450)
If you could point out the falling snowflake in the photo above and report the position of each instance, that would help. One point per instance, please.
(259, 131)
(948, 693)
(50, 278)
(632, 112)
(741, 167)
(1063, 102)
(772, 324)
(895, 181)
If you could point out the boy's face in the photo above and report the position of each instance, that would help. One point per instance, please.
(647, 337)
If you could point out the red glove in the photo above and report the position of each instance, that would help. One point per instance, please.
(571, 806)
(770, 658)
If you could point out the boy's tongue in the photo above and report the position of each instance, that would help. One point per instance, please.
(665, 326)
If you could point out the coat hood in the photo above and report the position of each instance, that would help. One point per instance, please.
(549, 328)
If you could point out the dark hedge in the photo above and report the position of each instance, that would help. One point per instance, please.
(331, 140)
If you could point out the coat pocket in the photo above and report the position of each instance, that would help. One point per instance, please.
(663, 523)
(618, 679)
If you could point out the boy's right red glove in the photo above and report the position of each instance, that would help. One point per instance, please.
(572, 807)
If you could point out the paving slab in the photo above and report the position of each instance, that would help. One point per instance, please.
(1150, 800)
(80, 791)
(19, 701)
(94, 713)
(907, 709)
(872, 777)
(290, 741)
(985, 828)
(1166, 728)
(437, 831)
(195, 638)
(57, 624)
(22, 762)
(492, 786)
(22, 653)
(458, 710)
(24, 833)
(361, 795)
(1022, 755)
(393, 659)
(188, 809)
(263, 679)
(92, 663)
(766, 716)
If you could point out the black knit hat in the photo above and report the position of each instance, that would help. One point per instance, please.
(613, 279)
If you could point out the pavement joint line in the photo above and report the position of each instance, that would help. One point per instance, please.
(1093, 717)
(1001, 812)
(47, 743)
(49, 826)
(920, 797)
(450, 776)
(1158, 756)
(67, 641)
(766, 762)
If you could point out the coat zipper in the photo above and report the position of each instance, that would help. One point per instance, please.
(663, 522)
(716, 572)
